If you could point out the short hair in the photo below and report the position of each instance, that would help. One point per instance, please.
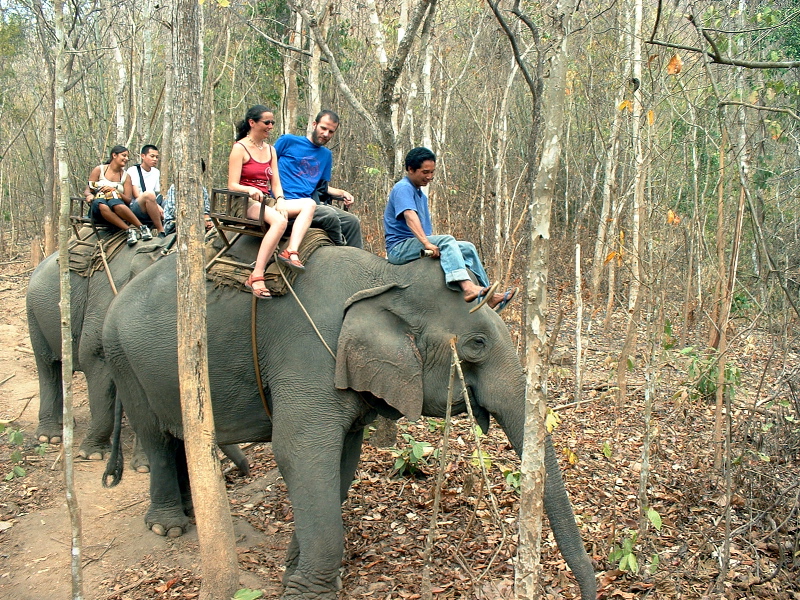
(417, 156)
(115, 150)
(254, 112)
(147, 147)
(327, 113)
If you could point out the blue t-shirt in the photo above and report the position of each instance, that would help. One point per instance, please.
(404, 196)
(301, 165)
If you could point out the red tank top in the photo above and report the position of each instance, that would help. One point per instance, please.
(256, 174)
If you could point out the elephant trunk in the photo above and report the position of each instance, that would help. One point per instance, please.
(556, 501)
(562, 522)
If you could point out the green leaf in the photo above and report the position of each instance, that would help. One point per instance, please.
(15, 437)
(654, 563)
(551, 420)
(418, 451)
(607, 451)
(633, 564)
(655, 518)
(18, 471)
(623, 563)
(477, 456)
(246, 594)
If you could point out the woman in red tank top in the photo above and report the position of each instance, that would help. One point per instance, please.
(253, 169)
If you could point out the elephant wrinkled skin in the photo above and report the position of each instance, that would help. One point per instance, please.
(390, 327)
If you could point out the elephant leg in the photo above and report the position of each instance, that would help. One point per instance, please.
(48, 365)
(309, 460)
(139, 462)
(565, 530)
(102, 392)
(351, 454)
(182, 466)
(50, 428)
(166, 514)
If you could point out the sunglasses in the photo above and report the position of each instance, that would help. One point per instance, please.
(268, 122)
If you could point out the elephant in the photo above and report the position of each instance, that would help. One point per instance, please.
(389, 329)
(89, 300)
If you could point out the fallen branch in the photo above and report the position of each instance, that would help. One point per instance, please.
(14, 374)
(3, 421)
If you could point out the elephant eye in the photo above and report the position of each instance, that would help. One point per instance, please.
(474, 348)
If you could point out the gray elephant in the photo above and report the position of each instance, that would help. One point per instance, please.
(90, 299)
(390, 328)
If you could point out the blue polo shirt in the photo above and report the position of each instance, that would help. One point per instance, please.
(301, 165)
(404, 196)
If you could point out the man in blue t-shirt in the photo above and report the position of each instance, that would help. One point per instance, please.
(408, 231)
(304, 165)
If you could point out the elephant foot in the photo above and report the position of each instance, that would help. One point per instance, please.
(173, 532)
(299, 586)
(93, 451)
(49, 433)
(139, 463)
(171, 523)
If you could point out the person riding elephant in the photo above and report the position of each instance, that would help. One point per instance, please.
(89, 300)
(378, 337)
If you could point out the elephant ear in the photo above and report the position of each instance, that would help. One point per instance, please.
(377, 354)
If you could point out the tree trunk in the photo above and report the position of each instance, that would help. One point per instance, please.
(528, 584)
(291, 67)
(60, 79)
(214, 527)
(640, 173)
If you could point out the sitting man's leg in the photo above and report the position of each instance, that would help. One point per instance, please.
(148, 211)
(325, 217)
(458, 256)
(351, 227)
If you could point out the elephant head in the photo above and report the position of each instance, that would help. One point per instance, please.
(396, 346)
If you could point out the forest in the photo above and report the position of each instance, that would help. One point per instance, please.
(671, 222)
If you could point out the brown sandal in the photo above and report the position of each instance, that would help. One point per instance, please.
(291, 259)
(258, 293)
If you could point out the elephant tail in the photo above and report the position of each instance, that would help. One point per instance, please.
(565, 530)
(115, 464)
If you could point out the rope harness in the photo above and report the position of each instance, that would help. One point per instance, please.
(254, 343)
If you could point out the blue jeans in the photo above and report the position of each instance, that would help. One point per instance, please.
(456, 258)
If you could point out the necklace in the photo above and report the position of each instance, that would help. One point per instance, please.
(252, 141)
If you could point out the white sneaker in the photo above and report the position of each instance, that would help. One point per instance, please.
(132, 237)
(146, 235)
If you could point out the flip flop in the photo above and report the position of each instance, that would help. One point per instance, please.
(507, 297)
(484, 296)
(260, 294)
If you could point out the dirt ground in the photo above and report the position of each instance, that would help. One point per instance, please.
(387, 518)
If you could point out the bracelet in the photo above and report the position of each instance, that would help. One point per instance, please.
(279, 197)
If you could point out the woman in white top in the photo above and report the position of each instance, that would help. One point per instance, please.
(110, 192)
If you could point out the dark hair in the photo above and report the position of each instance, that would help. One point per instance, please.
(115, 150)
(327, 113)
(254, 112)
(147, 147)
(417, 156)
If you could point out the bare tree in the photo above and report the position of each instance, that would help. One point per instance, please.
(549, 102)
(61, 77)
(214, 526)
